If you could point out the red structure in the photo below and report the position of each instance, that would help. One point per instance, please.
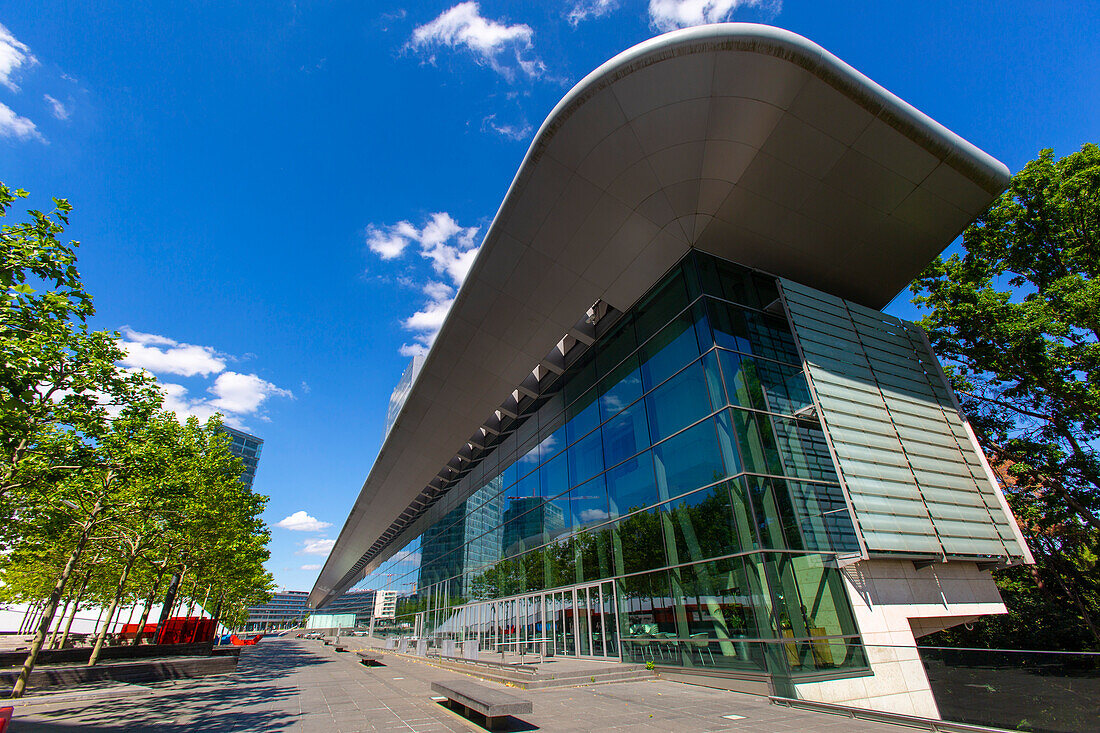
(238, 641)
(177, 630)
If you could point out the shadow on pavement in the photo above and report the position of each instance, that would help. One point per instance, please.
(242, 701)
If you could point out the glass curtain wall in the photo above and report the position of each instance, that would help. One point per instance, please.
(679, 461)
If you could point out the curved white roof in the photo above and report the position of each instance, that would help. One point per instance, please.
(742, 140)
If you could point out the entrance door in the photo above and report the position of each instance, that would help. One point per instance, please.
(593, 623)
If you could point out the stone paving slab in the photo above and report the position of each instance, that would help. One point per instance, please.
(297, 685)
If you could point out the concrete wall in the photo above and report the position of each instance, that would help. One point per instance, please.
(894, 604)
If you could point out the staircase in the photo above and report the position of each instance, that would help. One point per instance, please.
(551, 673)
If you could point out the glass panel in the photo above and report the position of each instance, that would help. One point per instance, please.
(646, 618)
(580, 377)
(770, 522)
(625, 435)
(810, 597)
(585, 458)
(678, 402)
(668, 351)
(554, 442)
(613, 348)
(803, 450)
(620, 388)
(658, 308)
(630, 485)
(771, 337)
(584, 646)
(756, 442)
(702, 526)
(728, 326)
(802, 516)
(784, 387)
(583, 416)
(689, 460)
(566, 620)
(638, 542)
(742, 382)
(588, 503)
(610, 619)
(554, 477)
(714, 379)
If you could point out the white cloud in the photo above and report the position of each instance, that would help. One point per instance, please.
(300, 521)
(234, 395)
(60, 111)
(593, 515)
(390, 242)
(667, 15)
(512, 132)
(14, 54)
(585, 9)
(490, 42)
(242, 394)
(311, 567)
(12, 125)
(144, 350)
(449, 248)
(317, 547)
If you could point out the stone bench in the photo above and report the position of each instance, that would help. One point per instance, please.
(369, 657)
(495, 705)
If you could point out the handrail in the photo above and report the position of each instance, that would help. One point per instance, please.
(518, 642)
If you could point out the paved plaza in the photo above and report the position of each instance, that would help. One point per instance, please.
(299, 685)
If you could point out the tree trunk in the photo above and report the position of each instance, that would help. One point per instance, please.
(202, 612)
(111, 613)
(60, 620)
(51, 606)
(72, 616)
(217, 615)
(32, 609)
(76, 602)
(148, 607)
(169, 599)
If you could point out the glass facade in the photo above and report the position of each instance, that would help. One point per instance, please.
(247, 448)
(672, 499)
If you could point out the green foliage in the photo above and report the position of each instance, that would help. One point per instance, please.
(1017, 318)
(97, 483)
(59, 380)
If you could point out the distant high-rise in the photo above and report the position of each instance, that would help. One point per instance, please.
(246, 447)
(401, 391)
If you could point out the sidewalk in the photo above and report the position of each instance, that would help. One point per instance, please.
(299, 685)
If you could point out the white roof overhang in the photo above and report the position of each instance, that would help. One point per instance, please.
(742, 140)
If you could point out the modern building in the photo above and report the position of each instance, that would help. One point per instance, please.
(665, 419)
(362, 604)
(286, 610)
(247, 447)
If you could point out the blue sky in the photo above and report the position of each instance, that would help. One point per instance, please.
(276, 201)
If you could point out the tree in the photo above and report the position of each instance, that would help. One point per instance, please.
(1016, 318)
(59, 380)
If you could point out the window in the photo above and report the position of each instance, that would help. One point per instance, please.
(630, 485)
(689, 460)
(678, 402)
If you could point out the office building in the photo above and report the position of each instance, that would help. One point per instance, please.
(286, 610)
(247, 447)
(666, 419)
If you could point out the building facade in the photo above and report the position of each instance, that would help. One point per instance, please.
(286, 610)
(665, 420)
(247, 447)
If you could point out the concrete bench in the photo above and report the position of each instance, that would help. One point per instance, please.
(495, 705)
(369, 657)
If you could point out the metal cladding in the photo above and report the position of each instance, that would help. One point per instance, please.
(744, 141)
